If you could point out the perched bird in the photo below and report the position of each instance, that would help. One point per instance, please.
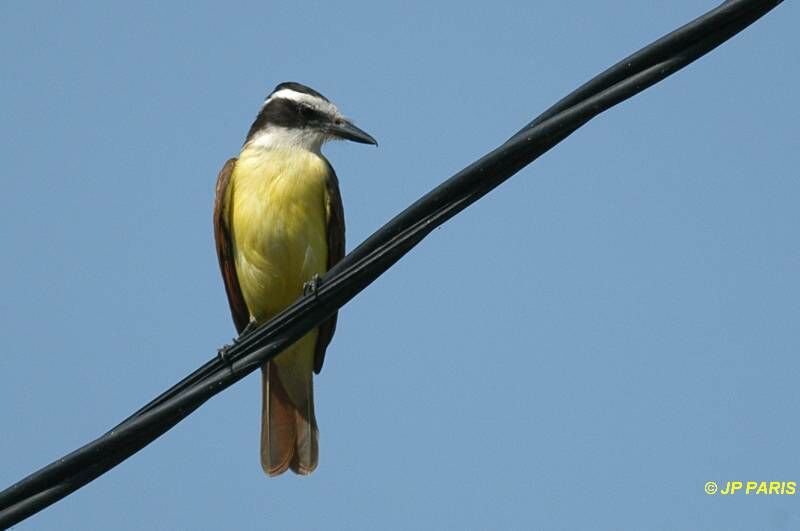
(278, 226)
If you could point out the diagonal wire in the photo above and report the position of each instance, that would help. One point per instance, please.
(379, 252)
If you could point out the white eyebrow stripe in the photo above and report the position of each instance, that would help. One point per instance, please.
(300, 97)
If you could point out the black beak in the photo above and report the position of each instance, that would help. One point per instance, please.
(344, 129)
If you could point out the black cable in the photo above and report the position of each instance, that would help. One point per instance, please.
(379, 252)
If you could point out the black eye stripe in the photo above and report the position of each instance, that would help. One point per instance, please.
(286, 113)
(310, 114)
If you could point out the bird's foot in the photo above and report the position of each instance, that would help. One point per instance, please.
(252, 325)
(312, 286)
(224, 351)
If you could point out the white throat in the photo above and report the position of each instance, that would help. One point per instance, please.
(276, 137)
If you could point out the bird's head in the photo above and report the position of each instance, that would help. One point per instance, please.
(297, 116)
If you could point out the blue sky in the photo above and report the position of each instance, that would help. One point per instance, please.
(585, 347)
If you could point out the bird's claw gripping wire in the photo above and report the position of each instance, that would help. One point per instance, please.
(224, 352)
(312, 286)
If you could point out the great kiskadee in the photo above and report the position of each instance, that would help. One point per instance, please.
(278, 225)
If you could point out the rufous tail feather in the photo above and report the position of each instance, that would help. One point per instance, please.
(289, 434)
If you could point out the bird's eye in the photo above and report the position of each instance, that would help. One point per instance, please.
(305, 110)
(309, 114)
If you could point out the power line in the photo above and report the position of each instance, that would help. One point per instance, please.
(378, 253)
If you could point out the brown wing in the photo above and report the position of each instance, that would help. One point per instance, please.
(222, 236)
(335, 211)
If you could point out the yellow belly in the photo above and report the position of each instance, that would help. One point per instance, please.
(279, 225)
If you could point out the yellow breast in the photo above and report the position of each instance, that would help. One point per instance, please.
(278, 220)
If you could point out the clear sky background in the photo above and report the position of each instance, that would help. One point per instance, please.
(582, 349)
